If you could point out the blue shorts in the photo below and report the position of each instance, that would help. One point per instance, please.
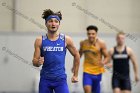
(47, 86)
(93, 81)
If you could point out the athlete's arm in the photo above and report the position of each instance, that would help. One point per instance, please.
(104, 52)
(134, 62)
(109, 64)
(80, 50)
(70, 46)
(37, 60)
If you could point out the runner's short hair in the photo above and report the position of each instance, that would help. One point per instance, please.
(92, 27)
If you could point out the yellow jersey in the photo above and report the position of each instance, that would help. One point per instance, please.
(92, 59)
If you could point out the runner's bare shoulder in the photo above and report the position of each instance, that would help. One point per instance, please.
(38, 41)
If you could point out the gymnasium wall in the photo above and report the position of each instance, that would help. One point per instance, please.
(110, 16)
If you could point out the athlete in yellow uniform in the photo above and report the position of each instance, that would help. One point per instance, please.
(93, 49)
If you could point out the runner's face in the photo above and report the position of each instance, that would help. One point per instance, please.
(91, 35)
(52, 25)
(120, 39)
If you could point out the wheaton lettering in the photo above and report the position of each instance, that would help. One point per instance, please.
(50, 48)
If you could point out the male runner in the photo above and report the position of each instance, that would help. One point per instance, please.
(52, 47)
(93, 49)
(120, 55)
